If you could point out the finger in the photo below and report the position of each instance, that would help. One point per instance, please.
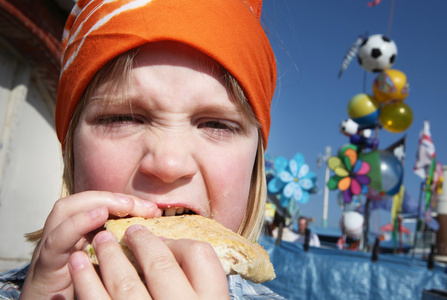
(48, 267)
(74, 217)
(159, 265)
(59, 244)
(119, 275)
(144, 208)
(117, 204)
(87, 284)
(202, 267)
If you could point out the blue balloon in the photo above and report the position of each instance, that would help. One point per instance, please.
(392, 172)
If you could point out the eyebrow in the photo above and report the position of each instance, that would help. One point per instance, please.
(118, 101)
(219, 109)
(108, 98)
(110, 101)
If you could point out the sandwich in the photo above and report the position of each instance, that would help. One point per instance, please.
(236, 253)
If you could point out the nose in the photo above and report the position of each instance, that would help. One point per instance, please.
(169, 157)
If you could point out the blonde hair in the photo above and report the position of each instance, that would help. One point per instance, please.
(117, 73)
(252, 223)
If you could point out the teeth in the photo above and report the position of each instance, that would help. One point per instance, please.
(170, 211)
(175, 211)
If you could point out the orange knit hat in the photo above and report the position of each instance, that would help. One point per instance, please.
(226, 30)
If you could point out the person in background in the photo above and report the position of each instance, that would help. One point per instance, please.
(290, 235)
(303, 231)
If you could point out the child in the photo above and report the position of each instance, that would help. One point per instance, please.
(163, 108)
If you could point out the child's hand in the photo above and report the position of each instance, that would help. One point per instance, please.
(173, 269)
(70, 220)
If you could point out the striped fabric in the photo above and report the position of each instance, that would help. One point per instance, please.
(226, 30)
(11, 283)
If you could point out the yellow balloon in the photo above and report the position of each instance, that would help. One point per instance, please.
(390, 85)
(396, 116)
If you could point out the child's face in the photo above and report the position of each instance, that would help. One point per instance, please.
(180, 142)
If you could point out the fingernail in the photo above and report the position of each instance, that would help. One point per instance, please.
(149, 204)
(103, 236)
(124, 199)
(95, 213)
(78, 261)
(134, 228)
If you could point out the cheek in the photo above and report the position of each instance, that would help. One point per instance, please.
(232, 185)
(99, 166)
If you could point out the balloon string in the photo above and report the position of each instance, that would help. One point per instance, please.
(364, 81)
(376, 137)
(390, 19)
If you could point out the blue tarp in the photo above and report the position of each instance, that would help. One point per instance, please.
(323, 273)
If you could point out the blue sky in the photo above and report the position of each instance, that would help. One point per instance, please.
(310, 39)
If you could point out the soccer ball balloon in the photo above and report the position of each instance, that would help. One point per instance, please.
(377, 53)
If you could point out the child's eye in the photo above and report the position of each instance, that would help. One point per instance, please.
(117, 119)
(218, 125)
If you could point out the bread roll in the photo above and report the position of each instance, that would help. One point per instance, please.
(237, 254)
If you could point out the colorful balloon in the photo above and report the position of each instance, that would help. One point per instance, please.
(396, 116)
(364, 109)
(392, 172)
(390, 85)
(386, 173)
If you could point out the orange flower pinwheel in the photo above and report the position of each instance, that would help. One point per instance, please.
(350, 173)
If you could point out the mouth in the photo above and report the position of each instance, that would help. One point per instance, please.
(176, 211)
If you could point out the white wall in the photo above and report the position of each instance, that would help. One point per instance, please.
(30, 158)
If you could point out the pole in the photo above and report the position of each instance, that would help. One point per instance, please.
(417, 218)
(326, 189)
(366, 226)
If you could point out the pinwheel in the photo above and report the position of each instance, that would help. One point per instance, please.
(350, 173)
(292, 182)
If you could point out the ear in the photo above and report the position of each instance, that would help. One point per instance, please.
(255, 6)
